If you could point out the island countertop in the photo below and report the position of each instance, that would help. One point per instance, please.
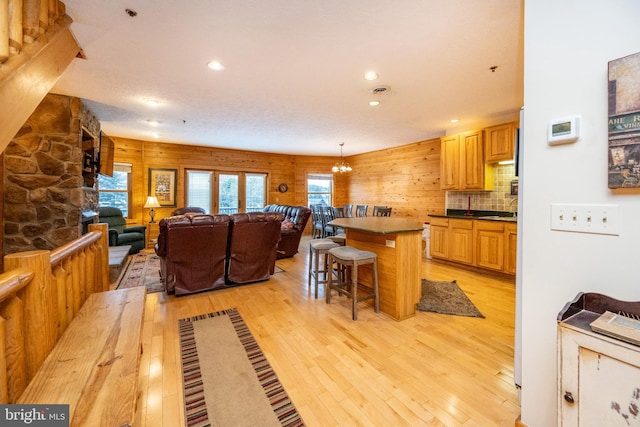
(379, 224)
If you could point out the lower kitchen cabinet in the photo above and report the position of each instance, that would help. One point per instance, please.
(490, 242)
(461, 241)
(439, 237)
(510, 245)
(485, 244)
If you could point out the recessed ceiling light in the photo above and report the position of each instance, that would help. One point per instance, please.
(153, 122)
(374, 103)
(151, 102)
(155, 135)
(371, 75)
(215, 65)
(454, 120)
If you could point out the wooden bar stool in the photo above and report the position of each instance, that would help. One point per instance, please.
(318, 248)
(349, 258)
(340, 239)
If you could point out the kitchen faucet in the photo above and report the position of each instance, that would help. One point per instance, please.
(515, 212)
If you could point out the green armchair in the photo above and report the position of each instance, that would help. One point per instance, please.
(119, 233)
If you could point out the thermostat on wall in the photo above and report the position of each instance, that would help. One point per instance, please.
(564, 130)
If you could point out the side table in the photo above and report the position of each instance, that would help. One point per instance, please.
(153, 230)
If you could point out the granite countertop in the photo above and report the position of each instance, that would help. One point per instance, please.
(379, 224)
(477, 214)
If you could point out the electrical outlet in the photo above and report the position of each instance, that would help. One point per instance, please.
(585, 218)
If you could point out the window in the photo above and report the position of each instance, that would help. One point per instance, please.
(233, 191)
(320, 189)
(255, 192)
(199, 189)
(115, 191)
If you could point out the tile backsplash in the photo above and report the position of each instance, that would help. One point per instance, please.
(500, 199)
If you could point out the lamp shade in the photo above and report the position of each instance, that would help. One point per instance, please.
(152, 202)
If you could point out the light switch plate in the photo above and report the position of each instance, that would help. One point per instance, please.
(586, 218)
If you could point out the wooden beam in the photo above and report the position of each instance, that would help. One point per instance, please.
(31, 76)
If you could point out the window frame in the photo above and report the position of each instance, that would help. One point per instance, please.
(117, 166)
(328, 177)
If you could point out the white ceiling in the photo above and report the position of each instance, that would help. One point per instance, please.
(293, 79)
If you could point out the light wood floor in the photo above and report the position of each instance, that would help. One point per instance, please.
(432, 369)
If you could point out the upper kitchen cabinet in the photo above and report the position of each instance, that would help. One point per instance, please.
(499, 142)
(462, 165)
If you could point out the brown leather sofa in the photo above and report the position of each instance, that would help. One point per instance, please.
(252, 246)
(290, 237)
(200, 252)
(193, 252)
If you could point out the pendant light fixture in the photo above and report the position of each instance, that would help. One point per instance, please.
(341, 166)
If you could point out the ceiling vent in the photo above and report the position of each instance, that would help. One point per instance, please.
(380, 90)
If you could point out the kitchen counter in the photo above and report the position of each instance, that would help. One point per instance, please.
(479, 215)
(398, 244)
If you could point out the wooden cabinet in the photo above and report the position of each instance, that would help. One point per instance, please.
(490, 243)
(499, 142)
(598, 376)
(461, 241)
(462, 165)
(439, 238)
(153, 230)
(450, 163)
(510, 245)
(481, 243)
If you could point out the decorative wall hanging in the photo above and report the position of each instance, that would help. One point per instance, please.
(162, 184)
(624, 122)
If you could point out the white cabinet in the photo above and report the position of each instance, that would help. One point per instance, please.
(598, 376)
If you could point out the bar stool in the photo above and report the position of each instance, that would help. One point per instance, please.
(317, 248)
(350, 258)
(340, 239)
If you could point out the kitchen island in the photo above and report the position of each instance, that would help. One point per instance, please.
(398, 245)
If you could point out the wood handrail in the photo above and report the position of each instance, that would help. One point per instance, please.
(74, 247)
(13, 281)
(40, 294)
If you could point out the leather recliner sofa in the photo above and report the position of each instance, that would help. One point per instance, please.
(193, 252)
(205, 252)
(290, 236)
(252, 246)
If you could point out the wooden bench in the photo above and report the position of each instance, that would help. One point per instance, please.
(94, 365)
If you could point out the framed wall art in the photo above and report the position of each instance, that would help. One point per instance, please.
(162, 184)
(624, 122)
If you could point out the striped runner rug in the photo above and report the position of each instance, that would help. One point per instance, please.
(227, 379)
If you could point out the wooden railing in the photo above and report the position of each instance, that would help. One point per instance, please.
(22, 21)
(40, 294)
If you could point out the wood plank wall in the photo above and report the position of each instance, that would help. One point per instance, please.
(406, 178)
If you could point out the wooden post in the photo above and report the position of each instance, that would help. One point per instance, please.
(40, 306)
(31, 16)
(103, 253)
(4, 30)
(14, 341)
(43, 19)
(15, 26)
(4, 386)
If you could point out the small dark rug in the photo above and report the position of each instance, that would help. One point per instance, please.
(446, 298)
(143, 270)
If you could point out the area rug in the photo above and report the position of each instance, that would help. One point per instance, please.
(227, 379)
(446, 298)
(143, 270)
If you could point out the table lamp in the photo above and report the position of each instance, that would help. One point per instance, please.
(152, 202)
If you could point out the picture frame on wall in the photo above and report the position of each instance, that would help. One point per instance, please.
(162, 184)
(624, 122)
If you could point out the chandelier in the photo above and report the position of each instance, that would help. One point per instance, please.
(341, 166)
